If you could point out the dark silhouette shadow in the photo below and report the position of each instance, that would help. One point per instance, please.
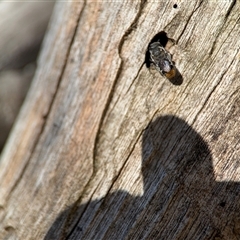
(181, 199)
(163, 39)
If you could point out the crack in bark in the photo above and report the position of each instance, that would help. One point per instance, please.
(125, 162)
(186, 24)
(128, 32)
(115, 103)
(110, 96)
(45, 117)
(223, 42)
(208, 56)
(230, 8)
(222, 27)
(135, 77)
(213, 90)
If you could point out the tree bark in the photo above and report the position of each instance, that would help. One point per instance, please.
(103, 148)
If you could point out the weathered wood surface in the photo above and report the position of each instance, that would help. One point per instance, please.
(104, 149)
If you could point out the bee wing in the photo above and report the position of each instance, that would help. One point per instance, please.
(154, 70)
(165, 54)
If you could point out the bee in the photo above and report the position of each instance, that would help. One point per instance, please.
(161, 59)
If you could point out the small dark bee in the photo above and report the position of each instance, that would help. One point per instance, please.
(161, 60)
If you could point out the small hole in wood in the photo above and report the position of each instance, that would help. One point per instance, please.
(222, 204)
(160, 37)
(175, 5)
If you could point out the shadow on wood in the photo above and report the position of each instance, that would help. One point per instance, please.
(181, 200)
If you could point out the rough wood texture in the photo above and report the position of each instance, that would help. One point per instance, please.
(105, 149)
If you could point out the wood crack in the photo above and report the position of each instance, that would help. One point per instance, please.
(186, 24)
(126, 34)
(139, 70)
(213, 90)
(222, 27)
(110, 96)
(233, 3)
(135, 78)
